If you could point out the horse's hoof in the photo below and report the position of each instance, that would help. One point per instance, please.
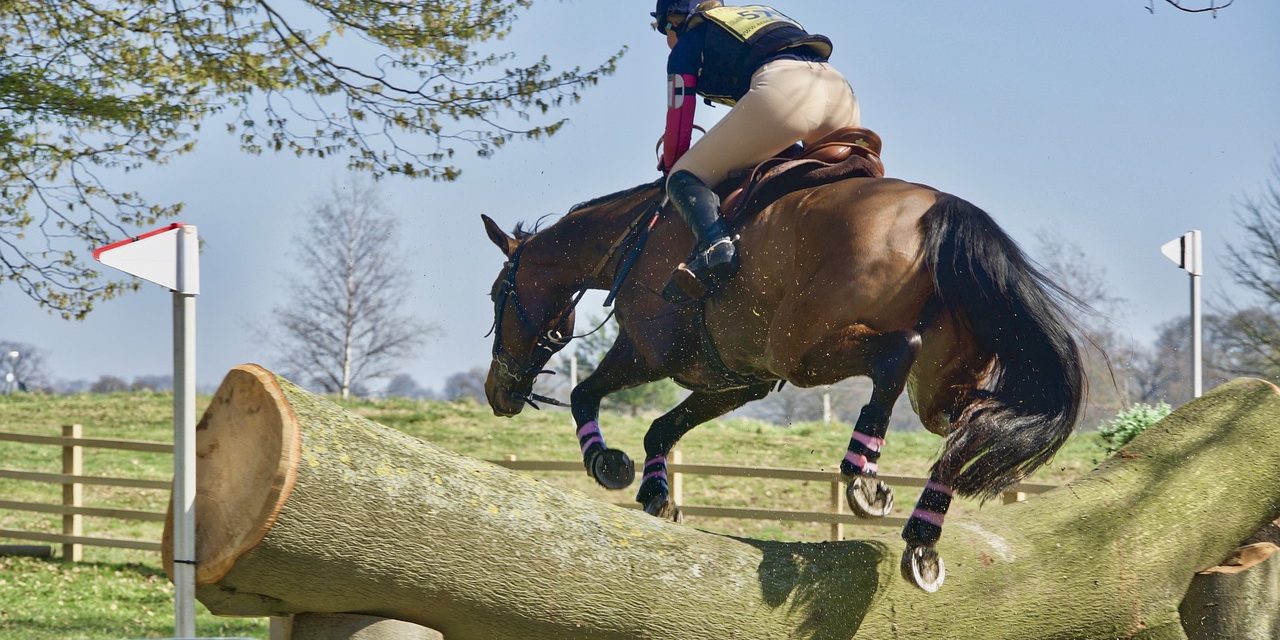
(662, 507)
(613, 469)
(923, 567)
(868, 497)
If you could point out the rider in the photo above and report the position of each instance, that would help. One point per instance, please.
(776, 78)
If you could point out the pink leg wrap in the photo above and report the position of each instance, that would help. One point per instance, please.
(867, 441)
(932, 517)
(860, 461)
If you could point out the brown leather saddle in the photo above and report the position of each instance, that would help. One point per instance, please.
(852, 152)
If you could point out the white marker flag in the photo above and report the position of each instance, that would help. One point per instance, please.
(169, 257)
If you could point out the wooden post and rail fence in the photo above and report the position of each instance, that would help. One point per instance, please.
(73, 510)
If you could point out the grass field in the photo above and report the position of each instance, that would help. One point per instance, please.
(124, 594)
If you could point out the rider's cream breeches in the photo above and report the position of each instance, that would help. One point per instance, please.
(789, 100)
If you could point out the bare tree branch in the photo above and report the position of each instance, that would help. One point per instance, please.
(343, 326)
(1212, 8)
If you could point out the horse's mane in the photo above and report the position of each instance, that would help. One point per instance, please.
(524, 231)
(614, 196)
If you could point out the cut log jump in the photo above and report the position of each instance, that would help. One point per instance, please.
(303, 507)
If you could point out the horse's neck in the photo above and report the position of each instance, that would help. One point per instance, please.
(586, 244)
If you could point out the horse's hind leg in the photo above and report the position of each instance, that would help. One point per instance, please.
(699, 407)
(949, 368)
(621, 368)
(890, 364)
(921, 564)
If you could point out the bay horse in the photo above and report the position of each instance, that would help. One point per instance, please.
(913, 287)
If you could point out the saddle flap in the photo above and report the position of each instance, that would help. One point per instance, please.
(851, 152)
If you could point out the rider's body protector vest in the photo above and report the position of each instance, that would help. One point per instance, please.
(724, 46)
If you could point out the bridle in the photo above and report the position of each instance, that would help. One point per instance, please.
(548, 342)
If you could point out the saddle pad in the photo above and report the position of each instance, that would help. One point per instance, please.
(852, 152)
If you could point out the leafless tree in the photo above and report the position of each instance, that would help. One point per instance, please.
(403, 385)
(1107, 354)
(152, 383)
(1250, 333)
(1247, 343)
(464, 385)
(790, 405)
(1213, 8)
(1162, 372)
(343, 325)
(108, 384)
(27, 365)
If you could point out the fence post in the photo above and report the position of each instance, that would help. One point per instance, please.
(72, 493)
(837, 506)
(1010, 497)
(677, 481)
(279, 628)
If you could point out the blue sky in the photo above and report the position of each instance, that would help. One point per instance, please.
(1118, 128)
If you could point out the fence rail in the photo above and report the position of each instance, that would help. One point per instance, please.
(73, 480)
(835, 516)
(72, 507)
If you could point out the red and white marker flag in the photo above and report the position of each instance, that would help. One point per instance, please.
(169, 257)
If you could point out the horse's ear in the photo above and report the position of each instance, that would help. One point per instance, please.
(499, 237)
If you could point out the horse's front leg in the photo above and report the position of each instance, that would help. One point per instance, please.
(699, 407)
(620, 369)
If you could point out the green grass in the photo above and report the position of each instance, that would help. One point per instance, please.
(41, 600)
(120, 593)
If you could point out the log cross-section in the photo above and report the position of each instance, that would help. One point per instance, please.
(303, 507)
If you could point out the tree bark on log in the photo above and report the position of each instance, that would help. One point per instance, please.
(302, 507)
(1239, 599)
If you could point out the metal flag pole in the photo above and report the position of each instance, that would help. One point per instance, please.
(184, 438)
(1185, 251)
(170, 257)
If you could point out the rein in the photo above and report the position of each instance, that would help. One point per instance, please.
(553, 340)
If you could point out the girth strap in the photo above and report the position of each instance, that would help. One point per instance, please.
(731, 379)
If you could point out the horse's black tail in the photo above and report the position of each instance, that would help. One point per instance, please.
(1027, 403)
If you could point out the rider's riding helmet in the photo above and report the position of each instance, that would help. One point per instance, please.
(667, 7)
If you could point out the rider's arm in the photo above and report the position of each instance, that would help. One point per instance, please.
(682, 99)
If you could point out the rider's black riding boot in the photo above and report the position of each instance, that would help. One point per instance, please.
(714, 259)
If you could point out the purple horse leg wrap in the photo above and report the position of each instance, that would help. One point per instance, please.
(655, 467)
(654, 483)
(589, 436)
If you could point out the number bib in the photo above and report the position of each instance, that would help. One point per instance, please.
(746, 21)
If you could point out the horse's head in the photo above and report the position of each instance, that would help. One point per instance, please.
(532, 319)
